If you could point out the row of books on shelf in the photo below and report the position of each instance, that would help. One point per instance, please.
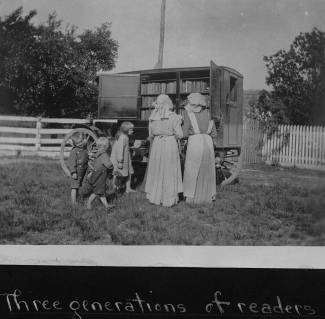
(170, 87)
(145, 114)
(158, 88)
(147, 101)
(194, 86)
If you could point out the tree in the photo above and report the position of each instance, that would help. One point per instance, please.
(297, 77)
(51, 72)
(268, 110)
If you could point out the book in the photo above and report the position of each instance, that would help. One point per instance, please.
(158, 88)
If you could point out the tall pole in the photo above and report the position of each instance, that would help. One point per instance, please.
(162, 35)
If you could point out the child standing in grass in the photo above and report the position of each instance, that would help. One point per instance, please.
(98, 177)
(121, 157)
(77, 164)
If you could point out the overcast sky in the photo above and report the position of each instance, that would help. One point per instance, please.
(235, 33)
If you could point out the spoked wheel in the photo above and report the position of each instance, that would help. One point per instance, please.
(228, 169)
(88, 136)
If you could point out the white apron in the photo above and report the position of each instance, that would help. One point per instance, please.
(194, 154)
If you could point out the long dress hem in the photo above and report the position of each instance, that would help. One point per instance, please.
(164, 176)
(199, 174)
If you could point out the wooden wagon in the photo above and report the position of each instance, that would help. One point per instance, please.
(129, 96)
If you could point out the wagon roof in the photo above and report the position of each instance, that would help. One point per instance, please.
(165, 70)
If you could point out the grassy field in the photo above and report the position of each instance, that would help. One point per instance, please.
(270, 206)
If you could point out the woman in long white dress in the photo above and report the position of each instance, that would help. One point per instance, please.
(199, 173)
(164, 177)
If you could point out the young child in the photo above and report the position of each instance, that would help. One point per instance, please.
(98, 176)
(77, 164)
(121, 157)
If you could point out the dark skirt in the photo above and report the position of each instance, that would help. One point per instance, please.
(97, 181)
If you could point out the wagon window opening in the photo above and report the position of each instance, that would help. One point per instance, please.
(118, 96)
(233, 89)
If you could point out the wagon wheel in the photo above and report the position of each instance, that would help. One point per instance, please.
(66, 145)
(229, 170)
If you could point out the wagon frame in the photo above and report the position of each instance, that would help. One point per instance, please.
(128, 96)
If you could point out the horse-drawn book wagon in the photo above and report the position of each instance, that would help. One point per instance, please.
(130, 95)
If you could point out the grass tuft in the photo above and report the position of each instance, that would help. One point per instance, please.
(268, 207)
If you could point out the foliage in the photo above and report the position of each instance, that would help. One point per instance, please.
(269, 110)
(51, 71)
(297, 76)
(269, 206)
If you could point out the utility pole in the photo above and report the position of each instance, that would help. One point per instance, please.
(162, 35)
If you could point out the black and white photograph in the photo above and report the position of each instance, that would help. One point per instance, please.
(162, 159)
(162, 122)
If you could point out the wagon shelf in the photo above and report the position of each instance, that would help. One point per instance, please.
(130, 95)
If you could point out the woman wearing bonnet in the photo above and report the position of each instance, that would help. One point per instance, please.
(199, 174)
(164, 177)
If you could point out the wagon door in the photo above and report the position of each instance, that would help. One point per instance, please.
(232, 93)
(118, 95)
(215, 97)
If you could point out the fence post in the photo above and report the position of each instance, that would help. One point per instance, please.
(303, 151)
(38, 134)
(319, 143)
(314, 146)
(308, 146)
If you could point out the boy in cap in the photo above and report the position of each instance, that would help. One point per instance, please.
(77, 164)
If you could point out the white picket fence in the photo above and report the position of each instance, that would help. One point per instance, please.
(290, 145)
(295, 146)
(30, 136)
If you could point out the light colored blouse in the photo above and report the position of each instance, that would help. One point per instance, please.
(166, 127)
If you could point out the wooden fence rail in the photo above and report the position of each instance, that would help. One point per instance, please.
(291, 145)
(33, 138)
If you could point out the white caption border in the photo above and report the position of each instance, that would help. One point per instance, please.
(305, 257)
